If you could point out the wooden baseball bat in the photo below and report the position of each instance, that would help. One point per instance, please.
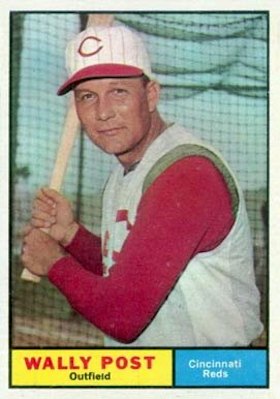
(69, 133)
(70, 129)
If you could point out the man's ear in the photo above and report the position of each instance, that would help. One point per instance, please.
(153, 93)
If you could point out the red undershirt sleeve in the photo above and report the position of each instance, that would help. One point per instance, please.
(85, 247)
(185, 211)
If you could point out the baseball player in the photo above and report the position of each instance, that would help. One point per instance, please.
(173, 265)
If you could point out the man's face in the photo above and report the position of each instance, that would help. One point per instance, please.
(116, 113)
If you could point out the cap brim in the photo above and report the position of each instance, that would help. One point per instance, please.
(99, 71)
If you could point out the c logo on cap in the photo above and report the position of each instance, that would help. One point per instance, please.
(94, 42)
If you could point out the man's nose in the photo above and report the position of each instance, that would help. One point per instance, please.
(104, 109)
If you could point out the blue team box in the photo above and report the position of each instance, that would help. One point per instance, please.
(221, 367)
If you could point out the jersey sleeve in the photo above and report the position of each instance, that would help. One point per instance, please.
(187, 210)
(85, 247)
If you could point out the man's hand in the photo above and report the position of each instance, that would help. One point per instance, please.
(39, 251)
(53, 212)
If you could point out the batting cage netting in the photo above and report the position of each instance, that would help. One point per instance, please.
(212, 67)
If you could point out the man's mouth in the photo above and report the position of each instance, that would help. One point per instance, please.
(110, 131)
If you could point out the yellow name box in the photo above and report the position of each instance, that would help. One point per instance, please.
(91, 367)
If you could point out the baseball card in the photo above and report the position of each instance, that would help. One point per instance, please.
(139, 206)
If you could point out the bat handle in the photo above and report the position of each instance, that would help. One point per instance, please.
(28, 276)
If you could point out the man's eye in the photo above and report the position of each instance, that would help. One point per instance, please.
(85, 96)
(119, 92)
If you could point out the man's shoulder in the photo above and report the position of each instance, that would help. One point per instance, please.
(178, 153)
(186, 151)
